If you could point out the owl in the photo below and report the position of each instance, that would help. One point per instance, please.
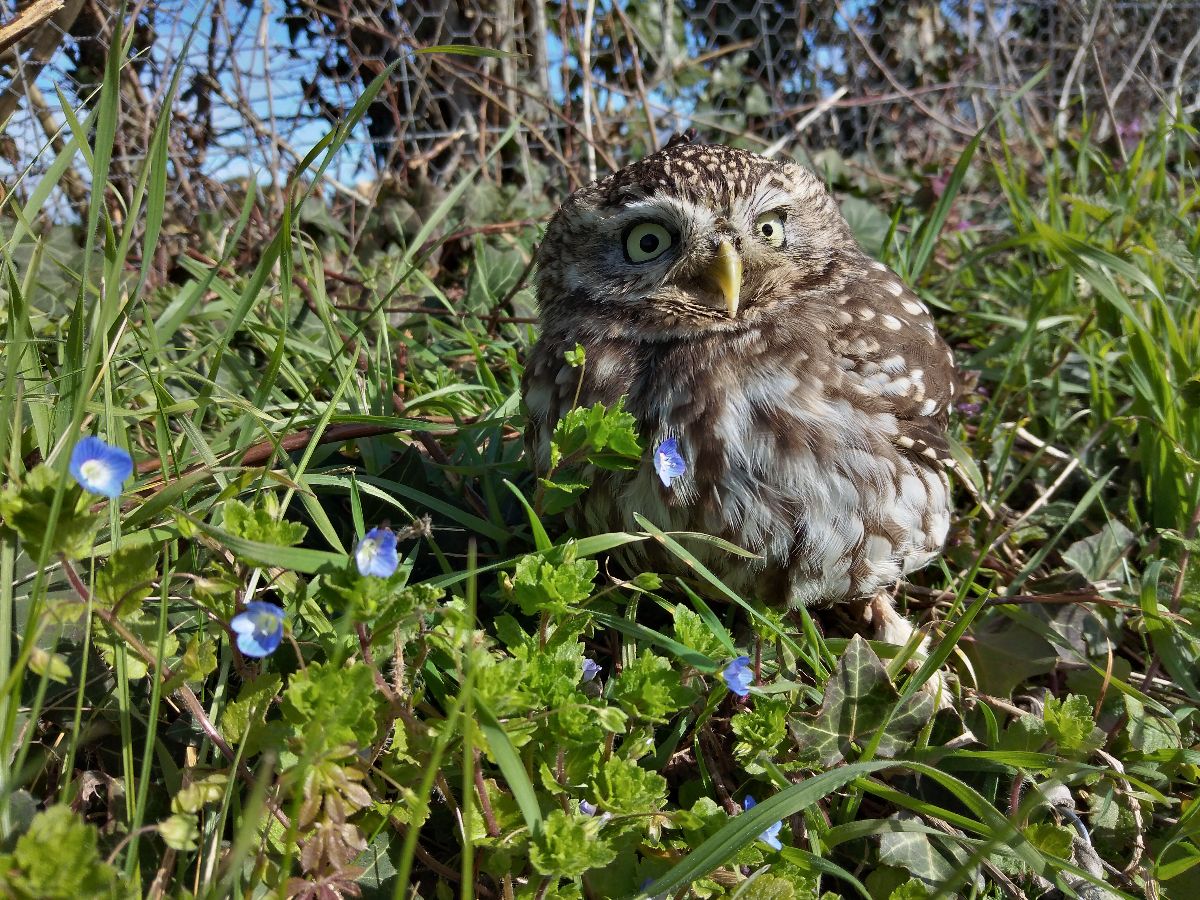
(790, 392)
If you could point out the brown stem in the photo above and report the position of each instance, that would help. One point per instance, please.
(184, 693)
(485, 804)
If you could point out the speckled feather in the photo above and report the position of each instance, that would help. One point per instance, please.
(812, 423)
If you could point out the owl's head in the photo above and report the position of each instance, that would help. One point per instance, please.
(691, 239)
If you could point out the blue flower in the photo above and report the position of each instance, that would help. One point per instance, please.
(100, 468)
(771, 835)
(668, 462)
(259, 628)
(591, 669)
(738, 675)
(588, 809)
(376, 553)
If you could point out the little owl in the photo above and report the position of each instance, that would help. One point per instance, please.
(791, 393)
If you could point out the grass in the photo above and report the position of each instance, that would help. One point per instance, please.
(430, 732)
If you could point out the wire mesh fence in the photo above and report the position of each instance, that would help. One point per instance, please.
(885, 85)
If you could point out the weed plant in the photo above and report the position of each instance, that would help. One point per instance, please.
(202, 694)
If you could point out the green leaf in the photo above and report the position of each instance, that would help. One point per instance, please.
(916, 853)
(332, 709)
(179, 832)
(625, 787)
(260, 525)
(1050, 839)
(745, 828)
(295, 558)
(198, 661)
(693, 631)
(250, 708)
(606, 437)
(859, 699)
(760, 729)
(511, 766)
(128, 578)
(569, 845)
(650, 688)
(52, 665)
(145, 629)
(1070, 725)
(201, 793)
(25, 512)
(58, 857)
(554, 581)
(1148, 733)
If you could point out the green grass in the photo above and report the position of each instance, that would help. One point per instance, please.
(432, 728)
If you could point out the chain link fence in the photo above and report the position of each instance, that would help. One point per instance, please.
(889, 86)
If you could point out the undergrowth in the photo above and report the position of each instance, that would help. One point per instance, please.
(498, 713)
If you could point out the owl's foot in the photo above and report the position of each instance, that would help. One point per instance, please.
(893, 628)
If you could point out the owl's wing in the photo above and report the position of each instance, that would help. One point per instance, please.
(893, 357)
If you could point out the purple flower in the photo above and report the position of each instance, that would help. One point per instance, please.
(771, 835)
(668, 462)
(588, 809)
(376, 553)
(99, 467)
(259, 628)
(591, 669)
(968, 409)
(738, 675)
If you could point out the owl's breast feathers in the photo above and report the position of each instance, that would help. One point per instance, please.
(816, 440)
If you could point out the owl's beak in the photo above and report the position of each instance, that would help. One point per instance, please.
(724, 273)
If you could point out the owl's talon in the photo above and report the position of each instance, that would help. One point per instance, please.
(893, 628)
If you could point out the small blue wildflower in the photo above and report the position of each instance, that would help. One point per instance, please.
(259, 628)
(668, 462)
(99, 467)
(376, 553)
(591, 669)
(588, 809)
(738, 675)
(771, 835)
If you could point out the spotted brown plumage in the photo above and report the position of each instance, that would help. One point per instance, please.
(725, 297)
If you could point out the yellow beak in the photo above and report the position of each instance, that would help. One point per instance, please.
(725, 274)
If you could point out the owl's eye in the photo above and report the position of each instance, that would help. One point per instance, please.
(646, 241)
(770, 228)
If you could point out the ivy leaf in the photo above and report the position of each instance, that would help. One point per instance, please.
(554, 581)
(858, 699)
(650, 688)
(625, 787)
(916, 853)
(331, 708)
(25, 512)
(57, 836)
(259, 524)
(569, 845)
(128, 578)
